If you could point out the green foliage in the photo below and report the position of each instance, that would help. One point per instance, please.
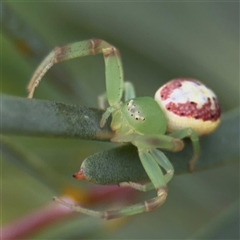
(51, 119)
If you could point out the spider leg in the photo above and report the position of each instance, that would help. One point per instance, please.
(162, 161)
(151, 141)
(158, 180)
(189, 132)
(113, 65)
(129, 93)
(144, 187)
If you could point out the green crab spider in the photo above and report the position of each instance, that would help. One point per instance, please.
(143, 121)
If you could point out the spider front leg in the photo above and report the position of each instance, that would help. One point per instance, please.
(162, 161)
(129, 93)
(189, 132)
(113, 65)
(151, 143)
(157, 177)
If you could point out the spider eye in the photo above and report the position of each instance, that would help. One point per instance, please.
(133, 111)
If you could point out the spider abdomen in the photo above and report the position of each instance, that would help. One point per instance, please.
(189, 103)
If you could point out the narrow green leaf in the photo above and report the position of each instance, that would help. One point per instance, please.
(32, 117)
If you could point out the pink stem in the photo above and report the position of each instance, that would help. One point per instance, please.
(49, 214)
(34, 221)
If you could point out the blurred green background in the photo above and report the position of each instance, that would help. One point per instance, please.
(158, 41)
